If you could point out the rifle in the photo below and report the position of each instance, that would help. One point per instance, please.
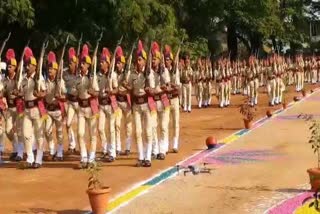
(78, 50)
(113, 60)
(4, 43)
(60, 69)
(162, 65)
(149, 62)
(20, 67)
(94, 59)
(176, 62)
(39, 75)
(128, 66)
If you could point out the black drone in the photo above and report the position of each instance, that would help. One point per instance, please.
(194, 169)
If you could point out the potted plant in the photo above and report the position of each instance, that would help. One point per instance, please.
(248, 113)
(314, 173)
(98, 194)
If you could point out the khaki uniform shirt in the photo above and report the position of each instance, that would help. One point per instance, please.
(70, 83)
(120, 78)
(137, 81)
(53, 90)
(174, 76)
(83, 84)
(105, 84)
(9, 86)
(29, 86)
(158, 79)
(186, 74)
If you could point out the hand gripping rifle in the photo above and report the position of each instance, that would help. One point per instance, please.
(39, 75)
(59, 76)
(113, 62)
(129, 62)
(20, 68)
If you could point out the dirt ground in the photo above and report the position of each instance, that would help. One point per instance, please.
(60, 188)
(249, 173)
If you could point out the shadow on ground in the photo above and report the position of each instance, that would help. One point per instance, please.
(49, 211)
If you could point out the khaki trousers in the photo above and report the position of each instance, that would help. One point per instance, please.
(227, 92)
(239, 84)
(186, 96)
(54, 118)
(271, 89)
(175, 115)
(221, 93)
(72, 109)
(125, 114)
(33, 126)
(2, 121)
(155, 139)
(163, 118)
(85, 116)
(314, 76)
(253, 91)
(199, 93)
(234, 82)
(299, 81)
(206, 93)
(279, 90)
(143, 121)
(14, 130)
(106, 113)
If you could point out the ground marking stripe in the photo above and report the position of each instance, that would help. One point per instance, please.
(171, 171)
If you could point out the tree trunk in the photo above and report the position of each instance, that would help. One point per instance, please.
(256, 43)
(274, 44)
(232, 42)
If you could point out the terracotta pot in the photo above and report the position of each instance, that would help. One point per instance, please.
(99, 199)
(284, 105)
(211, 142)
(314, 175)
(268, 113)
(296, 98)
(247, 123)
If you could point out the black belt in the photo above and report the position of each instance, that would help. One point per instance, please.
(84, 103)
(122, 98)
(11, 103)
(104, 101)
(140, 99)
(185, 81)
(157, 97)
(172, 95)
(31, 103)
(72, 98)
(52, 106)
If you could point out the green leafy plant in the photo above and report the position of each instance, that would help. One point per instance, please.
(315, 202)
(247, 111)
(314, 139)
(93, 170)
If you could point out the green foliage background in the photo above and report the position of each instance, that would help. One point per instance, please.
(205, 24)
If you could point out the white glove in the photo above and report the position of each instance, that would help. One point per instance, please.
(3, 65)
